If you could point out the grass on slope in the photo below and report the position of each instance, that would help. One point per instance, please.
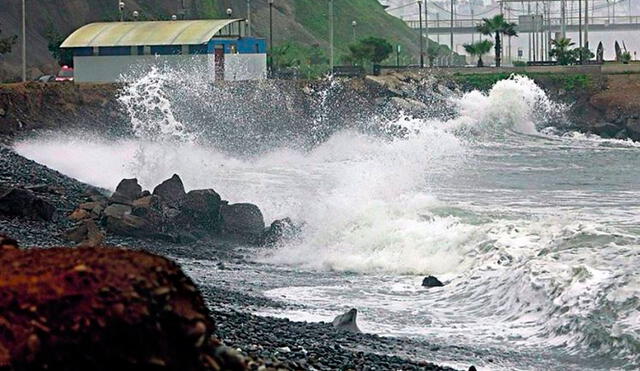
(371, 18)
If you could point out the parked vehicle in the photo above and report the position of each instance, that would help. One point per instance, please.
(65, 74)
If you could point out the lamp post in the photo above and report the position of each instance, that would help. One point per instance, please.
(354, 24)
(136, 14)
(24, 41)
(248, 17)
(271, 38)
(229, 12)
(421, 43)
(121, 10)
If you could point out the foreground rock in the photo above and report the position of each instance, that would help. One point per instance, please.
(347, 321)
(103, 309)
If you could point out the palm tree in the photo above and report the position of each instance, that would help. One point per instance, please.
(479, 49)
(562, 51)
(497, 26)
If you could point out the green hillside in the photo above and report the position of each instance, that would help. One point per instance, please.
(301, 22)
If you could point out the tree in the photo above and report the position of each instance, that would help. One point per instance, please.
(583, 54)
(561, 50)
(497, 26)
(435, 50)
(54, 40)
(6, 43)
(478, 49)
(371, 49)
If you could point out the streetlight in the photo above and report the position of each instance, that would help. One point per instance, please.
(229, 12)
(174, 17)
(121, 10)
(271, 37)
(421, 43)
(354, 24)
(248, 17)
(24, 41)
(135, 15)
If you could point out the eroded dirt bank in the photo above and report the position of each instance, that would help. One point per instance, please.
(270, 112)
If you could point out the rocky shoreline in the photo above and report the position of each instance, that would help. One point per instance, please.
(263, 342)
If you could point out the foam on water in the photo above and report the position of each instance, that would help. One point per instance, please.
(518, 267)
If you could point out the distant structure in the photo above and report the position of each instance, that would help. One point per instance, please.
(215, 49)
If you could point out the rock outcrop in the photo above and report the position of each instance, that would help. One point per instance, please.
(24, 203)
(431, 281)
(103, 309)
(347, 321)
(169, 213)
(243, 219)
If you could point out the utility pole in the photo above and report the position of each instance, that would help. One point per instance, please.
(580, 26)
(421, 42)
(451, 33)
(331, 35)
(249, 18)
(473, 34)
(426, 26)
(529, 33)
(272, 59)
(586, 23)
(563, 18)
(24, 41)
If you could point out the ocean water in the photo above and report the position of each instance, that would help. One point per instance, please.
(535, 232)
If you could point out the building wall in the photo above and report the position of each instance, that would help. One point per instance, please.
(126, 67)
(116, 68)
(245, 67)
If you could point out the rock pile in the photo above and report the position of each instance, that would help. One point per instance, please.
(171, 214)
(103, 309)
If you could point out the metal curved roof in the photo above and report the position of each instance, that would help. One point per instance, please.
(146, 33)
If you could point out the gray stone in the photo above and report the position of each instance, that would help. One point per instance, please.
(24, 203)
(201, 208)
(606, 129)
(347, 321)
(242, 219)
(129, 189)
(633, 129)
(431, 281)
(117, 211)
(171, 191)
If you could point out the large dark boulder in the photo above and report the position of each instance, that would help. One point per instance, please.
(242, 220)
(103, 309)
(24, 203)
(201, 209)
(347, 321)
(171, 191)
(126, 191)
(431, 281)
